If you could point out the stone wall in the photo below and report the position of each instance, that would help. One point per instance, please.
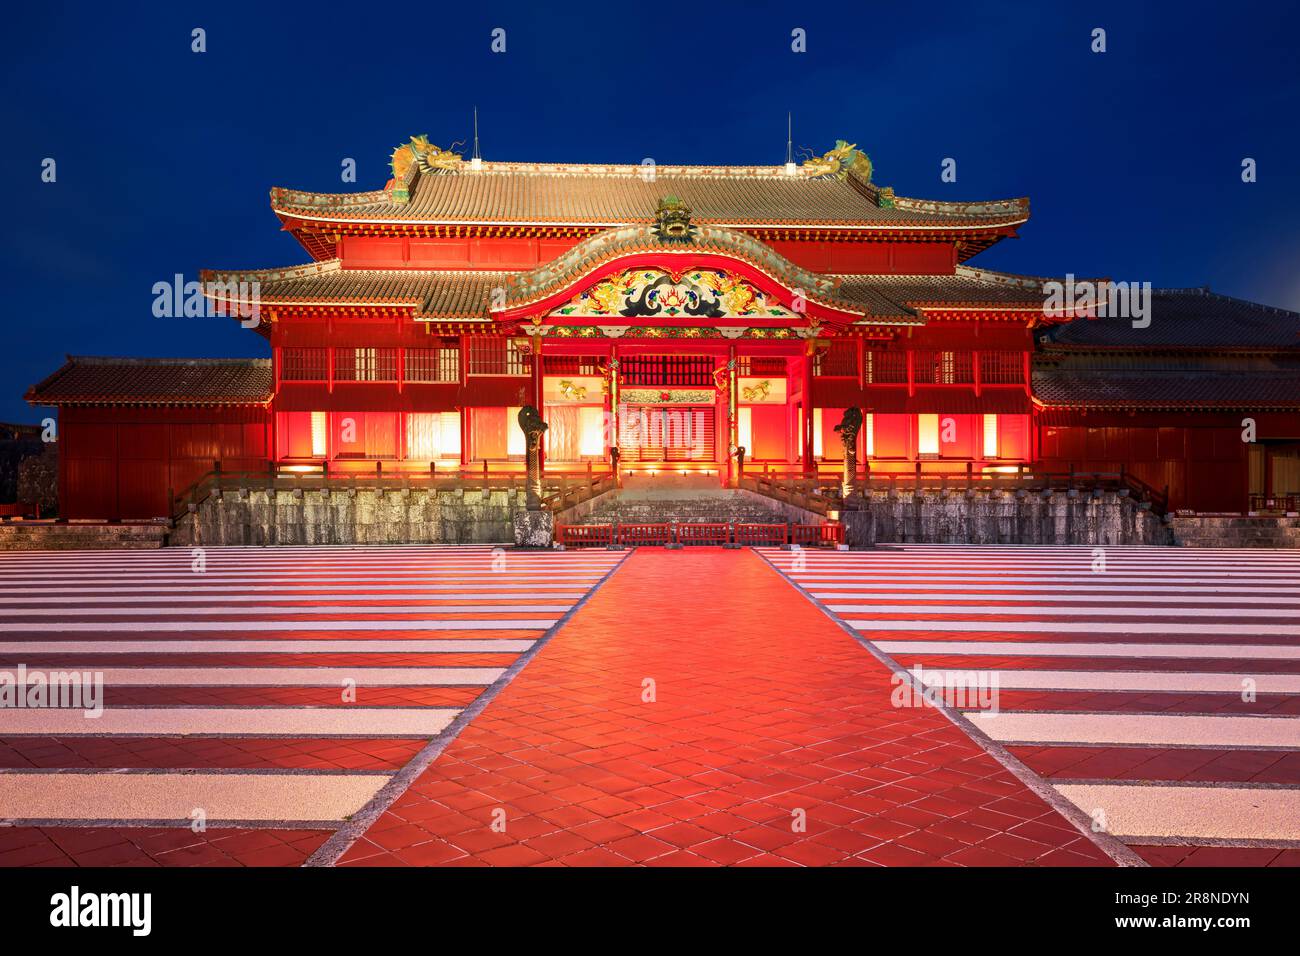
(80, 536)
(1005, 518)
(352, 516)
(1236, 531)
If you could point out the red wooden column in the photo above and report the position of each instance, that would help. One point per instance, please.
(611, 412)
(464, 409)
(733, 419)
(539, 399)
(807, 423)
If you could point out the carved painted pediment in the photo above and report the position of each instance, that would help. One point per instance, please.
(655, 293)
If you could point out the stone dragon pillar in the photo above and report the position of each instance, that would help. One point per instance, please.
(534, 527)
(848, 429)
(533, 427)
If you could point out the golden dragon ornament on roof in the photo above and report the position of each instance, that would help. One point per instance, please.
(838, 162)
(425, 155)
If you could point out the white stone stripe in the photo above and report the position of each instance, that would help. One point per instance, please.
(344, 720)
(1145, 579)
(1206, 813)
(572, 580)
(175, 796)
(405, 624)
(283, 609)
(995, 557)
(298, 598)
(1154, 681)
(1001, 588)
(245, 570)
(1163, 730)
(27, 650)
(268, 591)
(1017, 610)
(273, 559)
(1070, 627)
(291, 676)
(1028, 600)
(1091, 649)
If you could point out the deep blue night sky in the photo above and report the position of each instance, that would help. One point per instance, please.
(1131, 158)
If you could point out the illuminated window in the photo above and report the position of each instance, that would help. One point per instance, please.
(745, 429)
(591, 431)
(432, 435)
(516, 443)
(869, 424)
(990, 436)
(927, 434)
(817, 432)
(319, 427)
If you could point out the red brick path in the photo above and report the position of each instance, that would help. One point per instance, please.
(765, 711)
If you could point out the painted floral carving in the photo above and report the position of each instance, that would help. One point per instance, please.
(699, 293)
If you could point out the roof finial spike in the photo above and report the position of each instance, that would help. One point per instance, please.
(790, 167)
(476, 160)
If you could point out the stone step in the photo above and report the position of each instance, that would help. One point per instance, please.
(660, 505)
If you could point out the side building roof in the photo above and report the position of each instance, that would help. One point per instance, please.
(1185, 319)
(100, 380)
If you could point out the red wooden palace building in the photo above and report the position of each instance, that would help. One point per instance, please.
(676, 313)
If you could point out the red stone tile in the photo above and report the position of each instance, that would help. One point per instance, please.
(750, 723)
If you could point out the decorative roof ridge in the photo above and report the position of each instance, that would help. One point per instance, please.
(1205, 291)
(271, 274)
(1020, 280)
(308, 269)
(287, 196)
(620, 241)
(177, 362)
(1016, 205)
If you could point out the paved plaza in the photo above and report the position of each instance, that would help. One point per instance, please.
(477, 706)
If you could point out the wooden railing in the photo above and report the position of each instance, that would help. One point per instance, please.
(572, 490)
(1274, 502)
(703, 533)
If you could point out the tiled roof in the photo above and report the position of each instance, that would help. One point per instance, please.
(95, 380)
(1187, 318)
(966, 287)
(1081, 380)
(448, 294)
(558, 194)
(464, 294)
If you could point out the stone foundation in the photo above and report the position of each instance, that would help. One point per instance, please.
(1236, 531)
(534, 529)
(80, 536)
(1005, 518)
(351, 516)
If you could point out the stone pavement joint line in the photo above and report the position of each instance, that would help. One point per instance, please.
(698, 710)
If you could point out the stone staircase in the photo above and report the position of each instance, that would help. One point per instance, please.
(1235, 531)
(705, 506)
